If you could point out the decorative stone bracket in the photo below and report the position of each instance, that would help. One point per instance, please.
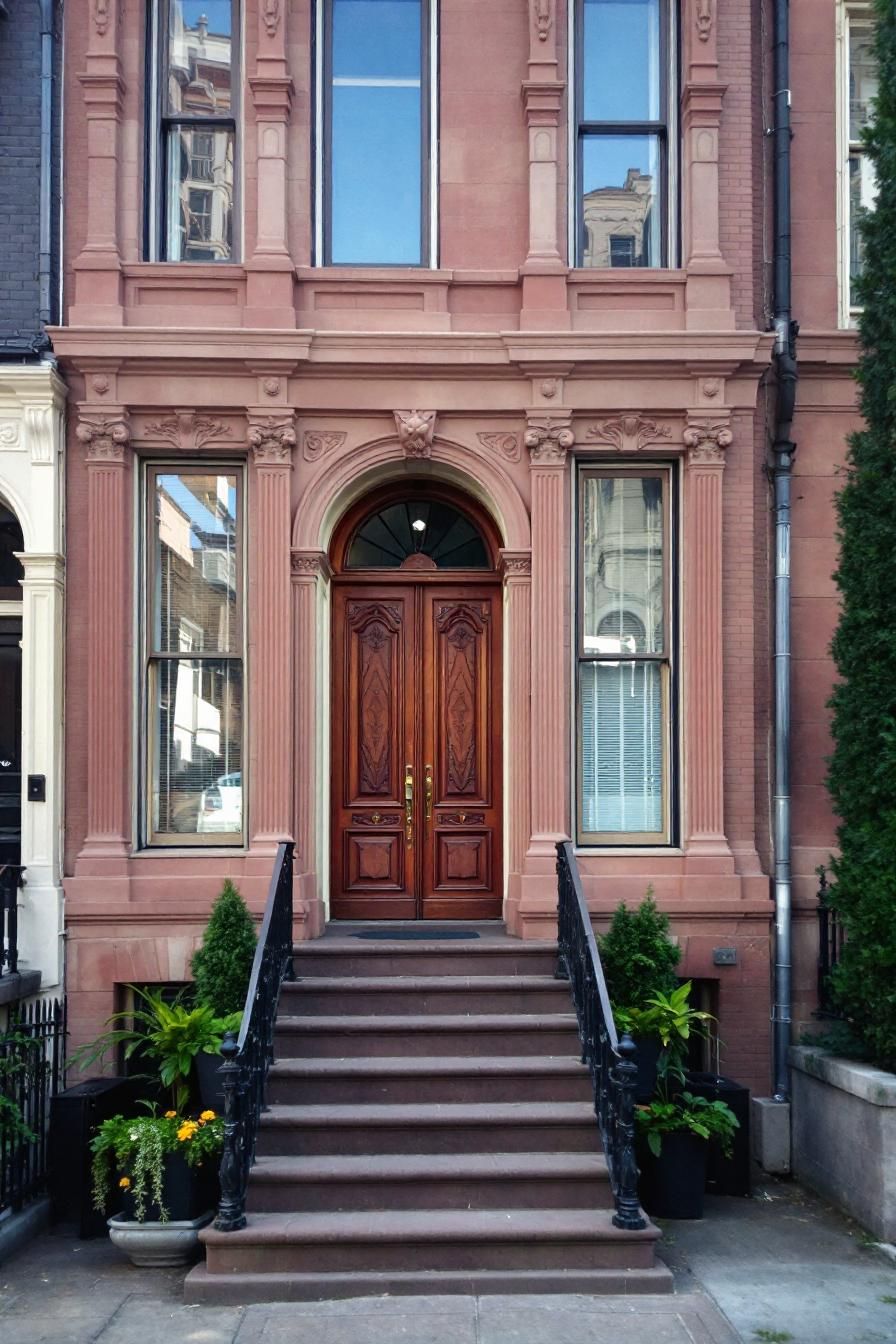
(415, 432)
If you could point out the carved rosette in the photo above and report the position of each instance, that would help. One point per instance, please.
(186, 431)
(415, 432)
(105, 438)
(272, 439)
(318, 442)
(548, 439)
(706, 443)
(628, 433)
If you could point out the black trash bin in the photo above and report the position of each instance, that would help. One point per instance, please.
(74, 1115)
(726, 1175)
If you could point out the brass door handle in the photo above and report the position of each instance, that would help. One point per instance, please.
(409, 804)
(428, 793)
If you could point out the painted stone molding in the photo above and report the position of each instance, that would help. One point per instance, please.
(40, 430)
(628, 433)
(186, 431)
(272, 440)
(317, 442)
(704, 19)
(415, 432)
(543, 19)
(706, 442)
(10, 434)
(105, 440)
(271, 16)
(549, 439)
(501, 442)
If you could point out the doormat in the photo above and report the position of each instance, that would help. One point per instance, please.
(423, 935)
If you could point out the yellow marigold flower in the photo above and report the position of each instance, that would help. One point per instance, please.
(187, 1130)
(125, 1183)
(207, 1115)
(170, 1115)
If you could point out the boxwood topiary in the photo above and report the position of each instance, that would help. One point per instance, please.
(223, 964)
(638, 957)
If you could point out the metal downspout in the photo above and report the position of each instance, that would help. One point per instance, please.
(46, 158)
(783, 449)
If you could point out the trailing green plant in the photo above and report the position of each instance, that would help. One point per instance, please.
(638, 955)
(170, 1035)
(19, 1058)
(686, 1114)
(222, 965)
(132, 1151)
(862, 768)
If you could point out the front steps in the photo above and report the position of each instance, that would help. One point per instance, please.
(430, 1130)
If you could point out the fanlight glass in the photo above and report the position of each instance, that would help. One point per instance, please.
(418, 534)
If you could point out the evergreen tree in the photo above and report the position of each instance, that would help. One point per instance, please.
(223, 964)
(862, 772)
(637, 954)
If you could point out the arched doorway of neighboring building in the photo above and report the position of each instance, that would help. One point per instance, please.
(11, 572)
(416, 790)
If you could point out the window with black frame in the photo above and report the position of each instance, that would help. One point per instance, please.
(625, 150)
(375, 149)
(193, 92)
(624, 657)
(194, 656)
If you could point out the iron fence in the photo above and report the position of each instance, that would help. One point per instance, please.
(830, 948)
(32, 1070)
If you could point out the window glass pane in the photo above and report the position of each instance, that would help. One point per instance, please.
(622, 565)
(197, 768)
(200, 194)
(862, 79)
(11, 540)
(396, 536)
(199, 58)
(620, 199)
(375, 147)
(622, 747)
(621, 75)
(195, 566)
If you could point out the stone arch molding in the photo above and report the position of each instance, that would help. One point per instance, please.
(381, 460)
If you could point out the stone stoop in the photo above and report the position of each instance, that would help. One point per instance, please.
(430, 1130)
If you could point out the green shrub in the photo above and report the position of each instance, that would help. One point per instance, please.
(638, 957)
(862, 770)
(223, 964)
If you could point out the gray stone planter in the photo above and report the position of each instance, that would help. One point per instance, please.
(844, 1135)
(156, 1245)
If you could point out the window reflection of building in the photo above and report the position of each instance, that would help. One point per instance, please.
(619, 223)
(862, 84)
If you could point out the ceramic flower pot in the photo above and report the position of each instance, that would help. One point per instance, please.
(153, 1245)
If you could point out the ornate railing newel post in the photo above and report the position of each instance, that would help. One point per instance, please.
(231, 1215)
(628, 1210)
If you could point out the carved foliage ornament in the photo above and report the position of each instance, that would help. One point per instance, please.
(272, 440)
(186, 431)
(549, 440)
(543, 19)
(415, 432)
(706, 442)
(101, 15)
(271, 15)
(317, 442)
(508, 445)
(628, 433)
(704, 19)
(105, 440)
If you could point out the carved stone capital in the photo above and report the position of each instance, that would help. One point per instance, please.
(706, 442)
(415, 432)
(105, 438)
(515, 564)
(318, 442)
(549, 439)
(305, 564)
(628, 433)
(272, 439)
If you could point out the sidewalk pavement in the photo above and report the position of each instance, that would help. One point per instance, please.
(782, 1267)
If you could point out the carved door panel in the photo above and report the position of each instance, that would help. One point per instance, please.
(462, 754)
(373, 865)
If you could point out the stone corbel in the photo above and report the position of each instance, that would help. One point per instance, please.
(515, 565)
(549, 438)
(272, 439)
(415, 432)
(309, 565)
(105, 436)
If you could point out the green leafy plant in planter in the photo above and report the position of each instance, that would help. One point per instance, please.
(687, 1114)
(134, 1152)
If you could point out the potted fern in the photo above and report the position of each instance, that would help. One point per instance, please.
(222, 968)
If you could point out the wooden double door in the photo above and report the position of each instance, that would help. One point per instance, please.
(417, 754)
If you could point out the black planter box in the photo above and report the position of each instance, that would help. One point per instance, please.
(74, 1116)
(672, 1185)
(726, 1175)
(188, 1192)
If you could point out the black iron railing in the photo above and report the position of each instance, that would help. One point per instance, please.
(32, 1070)
(611, 1060)
(248, 1057)
(12, 878)
(830, 947)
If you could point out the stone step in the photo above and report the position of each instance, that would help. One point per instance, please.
(408, 1079)
(346, 956)
(430, 1181)
(496, 1127)
(365, 996)
(460, 1035)
(238, 1288)
(428, 1240)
